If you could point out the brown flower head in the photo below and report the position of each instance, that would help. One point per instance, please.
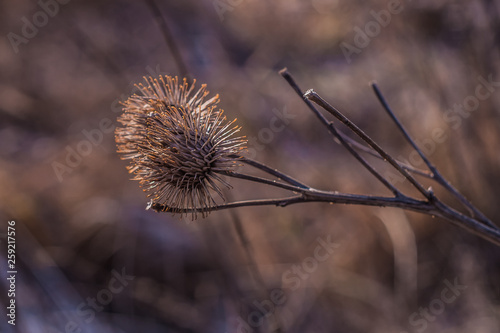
(177, 143)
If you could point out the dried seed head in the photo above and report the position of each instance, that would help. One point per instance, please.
(177, 142)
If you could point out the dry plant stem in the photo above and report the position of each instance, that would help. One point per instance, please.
(169, 39)
(491, 234)
(398, 124)
(475, 212)
(271, 171)
(235, 174)
(288, 77)
(431, 206)
(434, 208)
(333, 130)
(360, 159)
(373, 153)
(313, 96)
(471, 224)
(313, 195)
(436, 175)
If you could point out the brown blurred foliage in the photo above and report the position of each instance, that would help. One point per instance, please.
(81, 220)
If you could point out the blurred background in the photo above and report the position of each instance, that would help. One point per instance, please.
(90, 258)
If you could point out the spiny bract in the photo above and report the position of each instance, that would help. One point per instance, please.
(177, 143)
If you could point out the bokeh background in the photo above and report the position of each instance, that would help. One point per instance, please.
(81, 221)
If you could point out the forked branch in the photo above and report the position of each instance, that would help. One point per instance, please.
(477, 223)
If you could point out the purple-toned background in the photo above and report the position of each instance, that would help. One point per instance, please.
(90, 258)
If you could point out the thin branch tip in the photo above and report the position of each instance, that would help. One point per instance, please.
(283, 71)
(310, 94)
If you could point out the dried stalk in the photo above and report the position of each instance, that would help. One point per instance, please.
(477, 223)
(435, 174)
